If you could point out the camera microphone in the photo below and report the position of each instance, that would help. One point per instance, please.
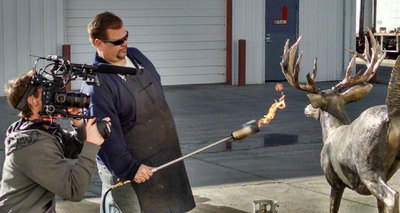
(114, 69)
(105, 68)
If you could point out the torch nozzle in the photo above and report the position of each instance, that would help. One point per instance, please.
(247, 129)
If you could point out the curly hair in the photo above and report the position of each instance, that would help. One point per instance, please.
(97, 28)
(16, 89)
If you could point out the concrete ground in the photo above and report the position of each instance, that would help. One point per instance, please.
(281, 162)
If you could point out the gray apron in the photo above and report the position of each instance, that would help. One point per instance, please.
(153, 141)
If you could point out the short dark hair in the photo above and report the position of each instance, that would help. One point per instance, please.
(16, 89)
(97, 28)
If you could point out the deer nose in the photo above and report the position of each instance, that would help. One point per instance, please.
(311, 112)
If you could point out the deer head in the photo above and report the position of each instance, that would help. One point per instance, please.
(350, 89)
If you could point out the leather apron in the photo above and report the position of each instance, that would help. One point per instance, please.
(153, 141)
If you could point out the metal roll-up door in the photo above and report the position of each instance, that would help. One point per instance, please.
(185, 39)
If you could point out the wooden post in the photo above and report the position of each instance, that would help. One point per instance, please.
(66, 53)
(228, 47)
(228, 61)
(242, 62)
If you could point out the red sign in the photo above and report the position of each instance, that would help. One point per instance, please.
(282, 20)
(284, 12)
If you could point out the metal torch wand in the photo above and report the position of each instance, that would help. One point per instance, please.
(247, 129)
(190, 154)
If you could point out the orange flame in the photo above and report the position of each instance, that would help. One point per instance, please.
(278, 87)
(274, 107)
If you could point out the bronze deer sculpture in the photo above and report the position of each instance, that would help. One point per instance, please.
(364, 154)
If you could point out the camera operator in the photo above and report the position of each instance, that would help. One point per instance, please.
(35, 167)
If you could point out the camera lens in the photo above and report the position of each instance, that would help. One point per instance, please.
(61, 98)
(72, 99)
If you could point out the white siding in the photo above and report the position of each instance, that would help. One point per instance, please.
(2, 70)
(185, 39)
(23, 36)
(328, 27)
(249, 24)
(9, 43)
(27, 28)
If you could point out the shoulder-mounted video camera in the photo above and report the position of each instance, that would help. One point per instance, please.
(55, 76)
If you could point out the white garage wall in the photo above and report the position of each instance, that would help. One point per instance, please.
(249, 24)
(328, 28)
(185, 39)
(32, 27)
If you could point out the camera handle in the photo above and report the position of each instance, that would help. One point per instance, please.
(104, 128)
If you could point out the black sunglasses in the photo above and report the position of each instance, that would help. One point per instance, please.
(119, 41)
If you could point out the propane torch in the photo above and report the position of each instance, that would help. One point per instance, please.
(246, 130)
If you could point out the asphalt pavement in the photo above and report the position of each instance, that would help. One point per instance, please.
(280, 163)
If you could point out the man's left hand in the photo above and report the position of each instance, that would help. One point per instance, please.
(143, 174)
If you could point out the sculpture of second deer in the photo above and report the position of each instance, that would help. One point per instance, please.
(364, 154)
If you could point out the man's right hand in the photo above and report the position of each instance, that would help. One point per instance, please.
(92, 133)
(143, 174)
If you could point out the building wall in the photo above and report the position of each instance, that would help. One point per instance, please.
(38, 27)
(28, 28)
(184, 39)
(249, 24)
(328, 28)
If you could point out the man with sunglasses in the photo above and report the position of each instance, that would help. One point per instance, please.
(143, 130)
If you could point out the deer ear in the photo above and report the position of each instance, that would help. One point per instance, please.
(316, 100)
(356, 93)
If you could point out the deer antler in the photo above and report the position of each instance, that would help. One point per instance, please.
(292, 76)
(372, 64)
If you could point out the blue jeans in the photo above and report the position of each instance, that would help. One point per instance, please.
(120, 200)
